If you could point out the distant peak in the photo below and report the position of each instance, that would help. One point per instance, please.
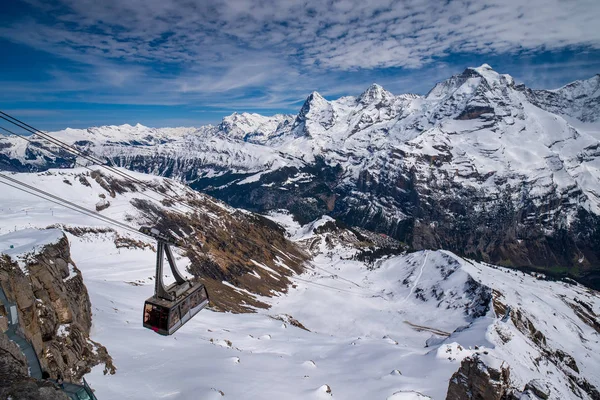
(315, 96)
(314, 99)
(375, 86)
(373, 93)
(492, 77)
(484, 69)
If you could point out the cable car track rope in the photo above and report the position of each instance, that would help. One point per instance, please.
(79, 153)
(65, 203)
(102, 164)
(94, 170)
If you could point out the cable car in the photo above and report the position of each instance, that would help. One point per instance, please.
(172, 306)
(165, 317)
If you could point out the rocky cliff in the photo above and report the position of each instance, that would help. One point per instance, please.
(54, 310)
(476, 380)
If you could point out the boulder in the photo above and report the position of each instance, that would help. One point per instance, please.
(477, 379)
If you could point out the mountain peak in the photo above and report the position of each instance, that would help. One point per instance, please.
(315, 96)
(375, 87)
(484, 70)
(492, 77)
(374, 93)
(484, 66)
(313, 100)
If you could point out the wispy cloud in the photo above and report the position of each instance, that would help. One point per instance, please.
(271, 53)
(343, 34)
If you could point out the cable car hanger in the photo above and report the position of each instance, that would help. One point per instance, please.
(171, 306)
(181, 284)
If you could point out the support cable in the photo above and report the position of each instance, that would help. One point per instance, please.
(79, 153)
(65, 203)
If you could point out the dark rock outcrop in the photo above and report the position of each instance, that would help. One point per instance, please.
(478, 381)
(14, 378)
(29, 389)
(54, 310)
(538, 388)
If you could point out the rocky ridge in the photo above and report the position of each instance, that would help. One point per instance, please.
(54, 310)
(238, 255)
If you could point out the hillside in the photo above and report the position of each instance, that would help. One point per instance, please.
(350, 325)
(223, 244)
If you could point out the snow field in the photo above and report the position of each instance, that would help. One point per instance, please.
(368, 327)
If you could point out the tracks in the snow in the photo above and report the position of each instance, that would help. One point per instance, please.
(421, 328)
(414, 286)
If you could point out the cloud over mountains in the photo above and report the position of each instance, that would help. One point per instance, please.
(177, 50)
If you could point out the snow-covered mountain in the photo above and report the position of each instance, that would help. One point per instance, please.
(254, 128)
(579, 99)
(350, 325)
(480, 166)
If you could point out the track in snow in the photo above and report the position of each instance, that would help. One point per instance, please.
(412, 289)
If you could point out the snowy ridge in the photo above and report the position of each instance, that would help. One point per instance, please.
(253, 127)
(479, 165)
(579, 99)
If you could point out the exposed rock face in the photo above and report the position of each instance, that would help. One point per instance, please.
(54, 310)
(13, 365)
(478, 381)
(29, 389)
(538, 388)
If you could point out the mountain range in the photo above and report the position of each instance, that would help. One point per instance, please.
(480, 165)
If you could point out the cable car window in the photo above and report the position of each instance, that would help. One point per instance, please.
(148, 314)
(185, 305)
(197, 297)
(202, 294)
(164, 318)
(174, 316)
(83, 395)
(156, 316)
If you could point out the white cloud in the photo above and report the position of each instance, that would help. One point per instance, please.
(272, 53)
(346, 34)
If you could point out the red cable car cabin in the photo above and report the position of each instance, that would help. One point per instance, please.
(173, 305)
(165, 317)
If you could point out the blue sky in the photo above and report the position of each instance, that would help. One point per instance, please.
(81, 63)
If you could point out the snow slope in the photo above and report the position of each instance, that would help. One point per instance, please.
(368, 324)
